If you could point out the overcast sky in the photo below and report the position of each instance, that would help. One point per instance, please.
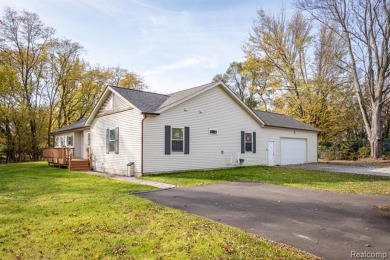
(173, 44)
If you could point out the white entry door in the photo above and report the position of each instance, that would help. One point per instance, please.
(271, 153)
(293, 151)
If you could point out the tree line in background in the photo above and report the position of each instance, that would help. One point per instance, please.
(45, 84)
(326, 65)
(334, 76)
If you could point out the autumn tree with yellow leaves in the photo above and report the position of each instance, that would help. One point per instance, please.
(45, 84)
(291, 69)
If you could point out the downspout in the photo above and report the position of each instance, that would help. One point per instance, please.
(142, 145)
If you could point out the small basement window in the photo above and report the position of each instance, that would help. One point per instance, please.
(213, 131)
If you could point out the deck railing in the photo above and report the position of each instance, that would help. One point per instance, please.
(58, 156)
(65, 157)
(89, 155)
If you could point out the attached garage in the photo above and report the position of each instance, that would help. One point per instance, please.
(293, 151)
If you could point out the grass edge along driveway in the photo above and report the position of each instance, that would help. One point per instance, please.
(53, 213)
(297, 178)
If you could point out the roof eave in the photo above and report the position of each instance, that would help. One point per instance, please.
(294, 128)
(71, 130)
(150, 113)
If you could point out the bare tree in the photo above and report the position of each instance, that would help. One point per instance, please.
(364, 26)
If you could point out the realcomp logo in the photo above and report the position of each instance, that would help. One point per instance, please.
(366, 254)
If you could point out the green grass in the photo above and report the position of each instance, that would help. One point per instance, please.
(50, 213)
(325, 181)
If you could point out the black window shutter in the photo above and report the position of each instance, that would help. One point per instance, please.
(167, 139)
(254, 142)
(242, 142)
(186, 140)
(107, 140)
(117, 140)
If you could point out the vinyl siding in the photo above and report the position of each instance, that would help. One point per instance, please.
(107, 106)
(113, 102)
(129, 123)
(276, 134)
(213, 109)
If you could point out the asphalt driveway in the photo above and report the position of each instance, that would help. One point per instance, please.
(330, 225)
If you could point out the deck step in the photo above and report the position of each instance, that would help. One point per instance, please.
(79, 165)
(80, 169)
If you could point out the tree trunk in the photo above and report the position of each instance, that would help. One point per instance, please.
(375, 136)
(10, 156)
(34, 141)
(49, 139)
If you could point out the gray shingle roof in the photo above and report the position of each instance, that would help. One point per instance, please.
(177, 96)
(147, 102)
(280, 120)
(75, 125)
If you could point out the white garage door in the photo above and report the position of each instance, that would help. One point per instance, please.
(293, 151)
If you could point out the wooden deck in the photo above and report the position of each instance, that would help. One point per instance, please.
(63, 157)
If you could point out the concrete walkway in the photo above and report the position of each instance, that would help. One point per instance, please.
(364, 170)
(159, 185)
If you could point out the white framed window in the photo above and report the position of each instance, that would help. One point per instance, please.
(111, 140)
(213, 131)
(56, 141)
(62, 138)
(248, 142)
(177, 139)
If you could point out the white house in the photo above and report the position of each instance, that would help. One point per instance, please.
(205, 127)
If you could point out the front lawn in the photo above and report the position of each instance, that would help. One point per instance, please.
(50, 213)
(326, 181)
